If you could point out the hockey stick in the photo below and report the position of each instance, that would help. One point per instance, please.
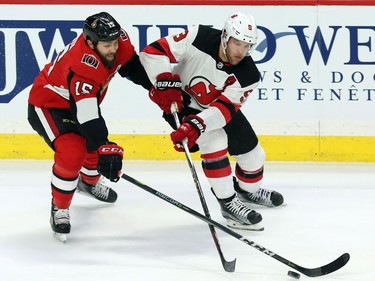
(311, 272)
(227, 265)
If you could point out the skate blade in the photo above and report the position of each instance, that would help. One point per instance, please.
(251, 227)
(60, 237)
(251, 205)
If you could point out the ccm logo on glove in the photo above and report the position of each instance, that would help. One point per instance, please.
(111, 149)
(110, 161)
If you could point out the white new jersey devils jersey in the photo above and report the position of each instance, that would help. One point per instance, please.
(216, 88)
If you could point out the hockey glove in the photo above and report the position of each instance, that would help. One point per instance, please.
(167, 89)
(191, 128)
(110, 161)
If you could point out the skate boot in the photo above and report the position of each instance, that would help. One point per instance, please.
(264, 197)
(60, 222)
(99, 191)
(238, 215)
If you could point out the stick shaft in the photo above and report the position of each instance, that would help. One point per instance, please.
(227, 265)
(311, 272)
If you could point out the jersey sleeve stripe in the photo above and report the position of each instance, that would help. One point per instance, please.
(160, 47)
(226, 108)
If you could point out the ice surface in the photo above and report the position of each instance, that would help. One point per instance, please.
(330, 211)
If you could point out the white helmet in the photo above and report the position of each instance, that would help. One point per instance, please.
(241, 27)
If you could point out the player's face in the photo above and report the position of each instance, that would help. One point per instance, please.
(107, 52)
(236, 50)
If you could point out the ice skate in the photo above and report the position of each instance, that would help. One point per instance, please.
(238, 215)
(98, 191)
(264, 197)
(60, 222)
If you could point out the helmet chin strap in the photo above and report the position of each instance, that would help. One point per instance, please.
(224, 45)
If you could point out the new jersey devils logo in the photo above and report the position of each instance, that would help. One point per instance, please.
(202, 90)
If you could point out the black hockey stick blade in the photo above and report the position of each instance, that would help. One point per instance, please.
(325, 269)
(229, 266)
(310, 272)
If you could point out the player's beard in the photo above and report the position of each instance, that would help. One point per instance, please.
(107, 61)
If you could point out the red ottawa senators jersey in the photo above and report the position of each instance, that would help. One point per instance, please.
(90, 76)
(216, 88)
(77, 80)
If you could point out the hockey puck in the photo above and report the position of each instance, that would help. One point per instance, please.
(294, 274)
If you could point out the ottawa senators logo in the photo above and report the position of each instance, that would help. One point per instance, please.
(90, 60)
(123, 35)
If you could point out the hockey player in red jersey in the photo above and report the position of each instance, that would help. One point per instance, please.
(214, 73)
(64, 108)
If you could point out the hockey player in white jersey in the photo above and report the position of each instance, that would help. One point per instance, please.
(211, 80)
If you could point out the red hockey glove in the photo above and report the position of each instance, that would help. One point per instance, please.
(167, 89)
(191, 128)
(110, 161)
